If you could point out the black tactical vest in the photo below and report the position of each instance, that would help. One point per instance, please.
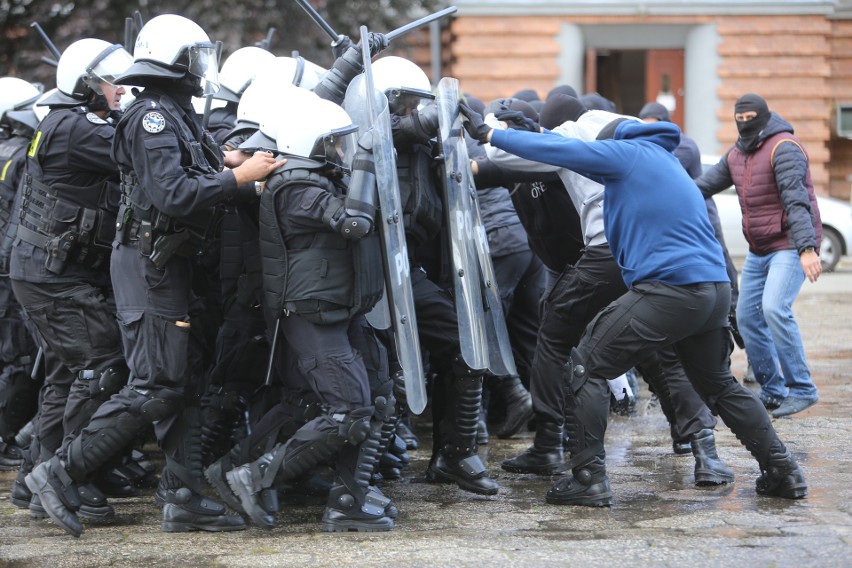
(72, 223)
(11, 160)
(329, 279)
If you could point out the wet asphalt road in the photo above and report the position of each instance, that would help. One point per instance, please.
(658, 519)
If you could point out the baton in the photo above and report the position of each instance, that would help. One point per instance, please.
(37, 364)
(50, 61)
(318, 19)
(422, 21)
(46, 40)
(138, 21)
(128, 34)
(272, 352)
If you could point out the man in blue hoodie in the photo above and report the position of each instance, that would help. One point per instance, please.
(678, 294)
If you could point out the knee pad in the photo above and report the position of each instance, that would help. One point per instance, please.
(461, 369)
(107, 379)
(155, 406)
(354, 426)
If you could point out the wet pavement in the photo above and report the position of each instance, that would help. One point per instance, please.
(658, 519)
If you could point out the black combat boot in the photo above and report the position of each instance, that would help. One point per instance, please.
(457, 461)
(11, 456)
(186, 511)
(353, 506)
(545, 456)
(782, 477)
(709, 468)
(587, 485)
(586, 412)
(518, 403)
(57, 494)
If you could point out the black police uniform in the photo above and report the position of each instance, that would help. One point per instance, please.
(171, 185)
(18, 390)
(59, 267)
(318, 285)
(457, 392)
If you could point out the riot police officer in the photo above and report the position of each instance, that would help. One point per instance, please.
(322, 272)
(172, 180)
(457, 394)
(18, 391)
(60, 257)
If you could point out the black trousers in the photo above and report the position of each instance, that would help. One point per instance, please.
(78, 330)
(693, 319)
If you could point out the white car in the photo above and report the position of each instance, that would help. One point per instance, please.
(836, 218)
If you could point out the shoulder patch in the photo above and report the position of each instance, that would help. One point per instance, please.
(154, 122)
(95, 119)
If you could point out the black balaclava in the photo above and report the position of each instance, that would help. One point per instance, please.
(608, 131)
(560, 108)
(750, 131)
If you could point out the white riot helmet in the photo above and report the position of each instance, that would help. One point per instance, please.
(316, 129)
(294, 70)
(239, 70)
(260, 107)
(15, 95)
(83, 66)
(172, 47)
(404, 83)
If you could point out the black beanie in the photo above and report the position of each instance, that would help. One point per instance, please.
(594, 101)
(561, 90)
(497, 105)
(526, 95)
(560, 108)
(608, 131)
(655, 110)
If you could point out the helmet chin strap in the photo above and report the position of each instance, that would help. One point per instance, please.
(97, 103)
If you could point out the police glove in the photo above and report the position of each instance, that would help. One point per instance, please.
(427, 118)
(474, 124)
(378, 43)
(517, 120)
(340, 45)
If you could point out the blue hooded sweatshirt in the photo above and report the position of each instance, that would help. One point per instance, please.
(654, 215)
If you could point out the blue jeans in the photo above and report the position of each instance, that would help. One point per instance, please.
(768, 286)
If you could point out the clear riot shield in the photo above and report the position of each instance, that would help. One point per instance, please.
(373, 115)
(457, 180)
(501, 361)
(483, 308)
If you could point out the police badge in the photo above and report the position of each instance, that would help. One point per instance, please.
(154, 122)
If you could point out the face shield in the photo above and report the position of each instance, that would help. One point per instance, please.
(337, 147)
(203, 62)
(402, 101)
(111, 63)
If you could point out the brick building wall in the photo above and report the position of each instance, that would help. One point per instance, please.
(801, 64)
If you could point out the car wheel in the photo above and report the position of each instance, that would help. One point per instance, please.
(830, 250)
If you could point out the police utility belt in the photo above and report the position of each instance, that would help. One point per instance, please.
(155, 234)
(67, 231)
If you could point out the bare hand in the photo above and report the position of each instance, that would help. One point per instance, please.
(257, 167)
(811, 264)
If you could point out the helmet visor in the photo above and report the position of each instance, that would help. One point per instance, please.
(337, 147)
(403, 101)
(204, 63)
(111, 63)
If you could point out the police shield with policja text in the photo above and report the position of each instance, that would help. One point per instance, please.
(372, 116)
(478, 306)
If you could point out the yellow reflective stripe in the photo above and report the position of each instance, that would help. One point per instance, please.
(5, 169)
(34, 145)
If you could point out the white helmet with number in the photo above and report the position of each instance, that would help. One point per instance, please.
(83, 67)
(404, 82)
(239, 70)
(172, 47)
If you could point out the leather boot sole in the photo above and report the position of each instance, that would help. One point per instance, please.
(37, 483)
(603, 499)
(216, 477)
(239, 479)
(708, 477)
(337, 521)
(200, 523)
